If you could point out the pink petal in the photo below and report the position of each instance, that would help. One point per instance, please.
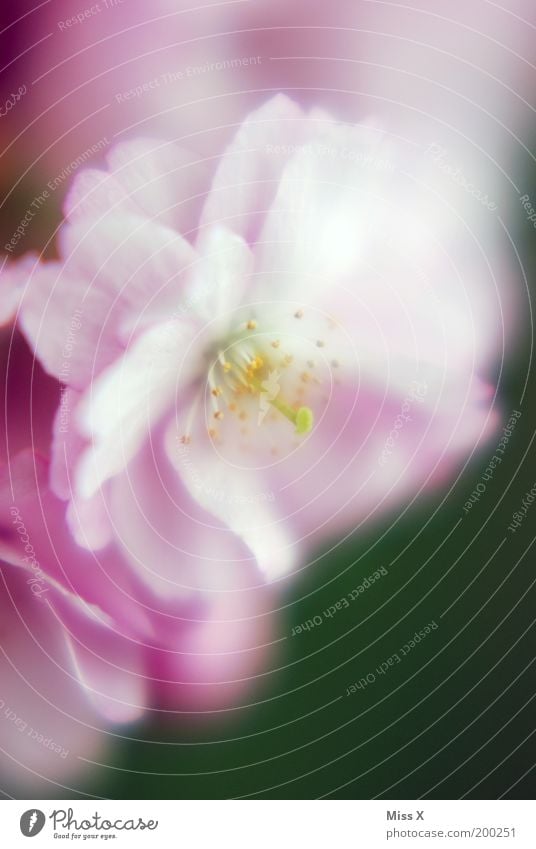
(110, 668)
(246, 179)
(47, 724)
(116, 277)
(236, 497)
(96, 194)
(120, 408)
(104, 580)
(13, 276)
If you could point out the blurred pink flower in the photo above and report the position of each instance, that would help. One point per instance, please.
(43, 734)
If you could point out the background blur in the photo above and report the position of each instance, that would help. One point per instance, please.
(456, 717)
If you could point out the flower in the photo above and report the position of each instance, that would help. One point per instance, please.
(254, 356)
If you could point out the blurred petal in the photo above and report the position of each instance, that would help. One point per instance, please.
(247, 176)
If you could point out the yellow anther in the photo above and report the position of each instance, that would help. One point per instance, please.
(218, 415)
(276, 343)
(252, 324)
(216, 392)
